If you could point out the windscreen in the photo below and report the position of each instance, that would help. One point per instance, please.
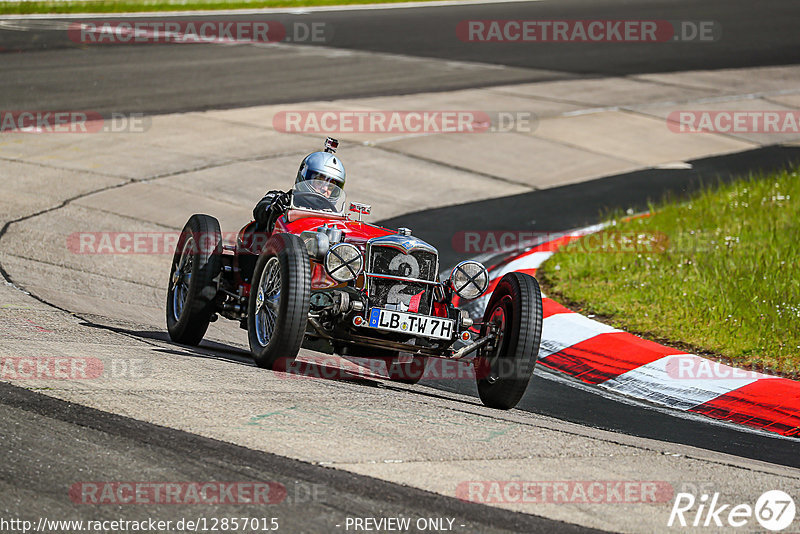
(318, 195)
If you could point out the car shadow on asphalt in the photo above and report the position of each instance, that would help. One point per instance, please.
(299, 370)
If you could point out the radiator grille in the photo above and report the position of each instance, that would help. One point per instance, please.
(397, 294)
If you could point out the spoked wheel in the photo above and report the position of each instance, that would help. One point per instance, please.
(181, 278)
(192, 282)
(514, 316)
(277, 311)
(268, 295)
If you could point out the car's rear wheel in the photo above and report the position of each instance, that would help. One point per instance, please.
(277, 311)
(514, 315)
(192, 289)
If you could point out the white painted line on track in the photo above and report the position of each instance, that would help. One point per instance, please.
(268, 10)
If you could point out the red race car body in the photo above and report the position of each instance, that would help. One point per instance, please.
(325, 280)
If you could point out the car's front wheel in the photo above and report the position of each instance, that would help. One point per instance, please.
(277, 311)
(514, 316)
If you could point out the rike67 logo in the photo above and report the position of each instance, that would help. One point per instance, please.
(774, 510)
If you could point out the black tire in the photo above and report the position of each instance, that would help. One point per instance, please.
(406, 372)
(286, 253)
(191, 303)
(503, 373)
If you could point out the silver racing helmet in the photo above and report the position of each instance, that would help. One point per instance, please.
(322, 173)
(321, 167)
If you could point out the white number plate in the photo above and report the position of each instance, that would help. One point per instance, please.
(410, 323)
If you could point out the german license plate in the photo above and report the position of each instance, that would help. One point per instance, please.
(410, 323)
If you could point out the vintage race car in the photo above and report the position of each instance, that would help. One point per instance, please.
(325, 280)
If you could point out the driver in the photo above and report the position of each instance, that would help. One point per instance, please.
(322, 171)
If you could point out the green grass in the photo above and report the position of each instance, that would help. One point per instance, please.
(720, 275)
(128, 6)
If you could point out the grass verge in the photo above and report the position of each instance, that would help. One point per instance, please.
(717, 274)
(131, 6)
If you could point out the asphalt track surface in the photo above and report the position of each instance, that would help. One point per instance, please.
(103, 446)
(52, 443)
(43, 69)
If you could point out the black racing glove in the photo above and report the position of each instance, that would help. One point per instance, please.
(269, 208)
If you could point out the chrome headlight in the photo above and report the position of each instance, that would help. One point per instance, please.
(470, 279)
(344, 262)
